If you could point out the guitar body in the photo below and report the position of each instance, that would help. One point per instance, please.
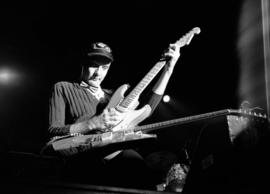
(133, 117)
(118, 96)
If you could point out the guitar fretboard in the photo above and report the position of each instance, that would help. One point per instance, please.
(179, 121)
(135, 93)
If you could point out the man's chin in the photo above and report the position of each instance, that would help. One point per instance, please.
(94, 83)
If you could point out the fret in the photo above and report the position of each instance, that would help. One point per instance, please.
(142, 84)
(184, 120)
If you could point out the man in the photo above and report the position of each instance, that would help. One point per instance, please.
(80, 107)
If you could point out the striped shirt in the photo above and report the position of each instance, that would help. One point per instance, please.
(71, 103)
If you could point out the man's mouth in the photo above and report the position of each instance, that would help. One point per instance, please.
(95, 79)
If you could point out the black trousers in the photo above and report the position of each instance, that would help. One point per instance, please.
(128, 169)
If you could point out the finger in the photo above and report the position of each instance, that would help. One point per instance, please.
(111, 119)
(111, 111)
(105, 111)
(168, 54)
(172, 47)
(114, 112)
(112, 123)
(116, 118)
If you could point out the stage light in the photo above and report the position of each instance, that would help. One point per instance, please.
(166, 98)
(7, 76)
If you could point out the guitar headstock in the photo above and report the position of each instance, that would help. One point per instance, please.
(186, 39)
(248, 112)
(242, 119)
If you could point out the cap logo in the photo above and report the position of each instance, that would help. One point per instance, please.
(101, 45)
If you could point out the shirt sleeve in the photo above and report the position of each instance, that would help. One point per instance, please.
(57, 109)
(152, 99)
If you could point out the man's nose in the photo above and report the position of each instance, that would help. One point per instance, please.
(98, 70)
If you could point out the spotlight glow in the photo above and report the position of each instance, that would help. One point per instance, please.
(7, 76)
(166, 98)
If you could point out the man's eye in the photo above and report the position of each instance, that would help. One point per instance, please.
(105, 67)
(93, 65)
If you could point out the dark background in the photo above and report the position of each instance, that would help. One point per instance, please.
(42, 41)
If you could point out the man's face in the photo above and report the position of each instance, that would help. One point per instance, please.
(95, 73)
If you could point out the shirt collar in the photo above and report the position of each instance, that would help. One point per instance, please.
(96, 91)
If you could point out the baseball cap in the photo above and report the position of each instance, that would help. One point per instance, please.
(99, 50)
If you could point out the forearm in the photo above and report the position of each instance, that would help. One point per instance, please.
(86, 126)
(83, 127)
(58, 130)
(172, 55)
(80, 127)
(162, 83)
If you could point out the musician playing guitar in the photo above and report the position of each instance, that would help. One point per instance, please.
(75, 108)
(84, 107)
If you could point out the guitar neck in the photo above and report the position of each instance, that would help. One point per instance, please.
(184, 120)
(135, 93)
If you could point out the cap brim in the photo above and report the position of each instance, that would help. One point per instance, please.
(100, 54)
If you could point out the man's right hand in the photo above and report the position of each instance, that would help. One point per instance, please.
(109, 118)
